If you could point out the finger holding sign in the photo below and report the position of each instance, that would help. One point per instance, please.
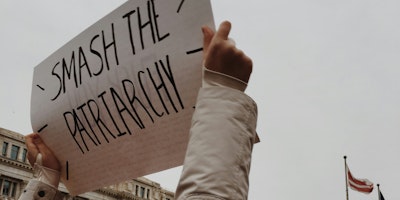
(35, 145)
(221, 54)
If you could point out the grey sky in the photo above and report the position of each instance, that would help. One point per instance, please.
(326, 80)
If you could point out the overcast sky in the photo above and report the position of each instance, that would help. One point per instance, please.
(326, 80)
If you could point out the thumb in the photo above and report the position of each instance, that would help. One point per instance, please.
(208, 34)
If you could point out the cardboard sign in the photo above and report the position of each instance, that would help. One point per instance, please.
(115, 103)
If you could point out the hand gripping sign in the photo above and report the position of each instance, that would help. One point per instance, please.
(115, 102)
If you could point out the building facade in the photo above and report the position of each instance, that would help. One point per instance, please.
(15, 173)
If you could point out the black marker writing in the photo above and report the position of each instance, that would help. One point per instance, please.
(110, 44)
(67, 170)
(194, 51)
(95, 56)
(41, 129)
(150, 24)
(72, 69)
(124, 108)
(180, 6)
(40, 87)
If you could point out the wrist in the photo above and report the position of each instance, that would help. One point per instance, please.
(212, 78)
(46, 175)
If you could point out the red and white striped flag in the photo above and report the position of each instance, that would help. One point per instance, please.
(360, 185)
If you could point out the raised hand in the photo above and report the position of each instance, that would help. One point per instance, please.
(35, 145)
(221, 54)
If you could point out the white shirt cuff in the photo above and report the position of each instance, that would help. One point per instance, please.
(47, 175)
(212, 78)
(44, 174)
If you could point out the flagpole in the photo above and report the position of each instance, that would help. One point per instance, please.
(345, 172)
(379, 192)
(379, 197)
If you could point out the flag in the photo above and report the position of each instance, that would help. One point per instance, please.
(360, 185)
(380, 194)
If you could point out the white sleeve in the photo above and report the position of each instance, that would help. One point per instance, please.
(218, 157)
(37, 190)
(44, 185)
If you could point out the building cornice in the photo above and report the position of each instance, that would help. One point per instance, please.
(14, 163)
(12, 135)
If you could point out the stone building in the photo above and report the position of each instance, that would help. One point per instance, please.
(15, 173)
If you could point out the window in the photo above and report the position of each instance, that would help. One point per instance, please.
(14, 189)
(137, 190)
(5, 147)
(142, 192)
(14, 152)
(24, 155)
(8, 187)
(148, 194)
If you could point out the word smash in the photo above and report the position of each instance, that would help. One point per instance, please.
(128, 104)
